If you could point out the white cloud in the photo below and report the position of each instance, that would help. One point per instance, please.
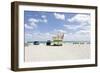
(59, 16)
(28, 26)
(28, 34)
(33, 20)
(33, 24)
(79, 21)
(76, 37)
(82, 18)
(48, 34)
(42, 36)
(71, 27)
(60, 30)
(87, 28)
(28, 37)
(45, 20)
(43, 16)
(81, 29)
(78, 28)
(82, 32)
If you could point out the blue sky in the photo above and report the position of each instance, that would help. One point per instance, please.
(42, 26)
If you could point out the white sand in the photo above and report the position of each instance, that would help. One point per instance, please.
(52, 53)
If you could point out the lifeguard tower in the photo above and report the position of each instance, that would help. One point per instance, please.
(58, 39)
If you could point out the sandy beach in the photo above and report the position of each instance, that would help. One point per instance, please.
(52, 53)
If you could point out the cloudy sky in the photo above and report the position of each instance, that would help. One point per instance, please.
(42, 26)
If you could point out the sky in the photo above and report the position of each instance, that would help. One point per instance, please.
(42, 26)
